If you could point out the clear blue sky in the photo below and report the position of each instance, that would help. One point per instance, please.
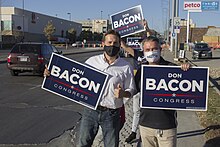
(155, 11)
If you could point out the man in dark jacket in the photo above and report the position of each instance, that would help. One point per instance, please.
(158, 127)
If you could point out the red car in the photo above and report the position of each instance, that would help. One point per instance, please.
(29, 57)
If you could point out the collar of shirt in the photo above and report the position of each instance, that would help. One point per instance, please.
(120, 72)
(105, 59)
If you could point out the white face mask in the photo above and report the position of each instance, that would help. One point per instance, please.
(152, 56)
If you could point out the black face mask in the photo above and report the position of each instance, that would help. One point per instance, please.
(111, 50)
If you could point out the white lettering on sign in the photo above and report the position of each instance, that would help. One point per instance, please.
(174, 85)
(75, 79)
(130, 43)
(192, 5)
(78, 71)
(174, 75)
(126, 20)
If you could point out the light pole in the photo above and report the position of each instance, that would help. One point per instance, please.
(23, 20)
(89, 22)
(101, 15)
(1, 23)
(101, 23)
(69, 16)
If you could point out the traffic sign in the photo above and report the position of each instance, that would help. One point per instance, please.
(210, 5)
(177, 29)
(176, 21)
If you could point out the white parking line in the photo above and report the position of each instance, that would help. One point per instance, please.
(34, 87)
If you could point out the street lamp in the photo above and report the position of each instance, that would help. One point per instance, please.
(101, 23)
(101, 15)
(69, 16)
(23, 20)
(1, 23)
(89, 23)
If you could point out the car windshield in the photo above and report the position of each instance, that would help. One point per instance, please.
(202, 46)
(26, 48)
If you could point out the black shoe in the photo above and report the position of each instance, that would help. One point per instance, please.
(131, 137)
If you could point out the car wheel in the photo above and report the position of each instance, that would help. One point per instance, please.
(14, 73)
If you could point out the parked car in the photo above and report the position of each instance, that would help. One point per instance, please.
(77, 44)
(30, 57)
(201, 50)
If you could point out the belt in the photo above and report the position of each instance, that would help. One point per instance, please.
(101, 108)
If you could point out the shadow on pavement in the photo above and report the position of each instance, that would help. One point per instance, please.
(197, 132)
(216, 82)
(214, 142)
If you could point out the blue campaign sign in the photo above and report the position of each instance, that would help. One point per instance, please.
(134, 42)
(169, 87)
(72, 80)
(129, 21)
(210, 5)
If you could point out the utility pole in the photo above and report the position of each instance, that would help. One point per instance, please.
(0, 24)
(23, 20)
(168, 22)
(176, 36)
(175, 13)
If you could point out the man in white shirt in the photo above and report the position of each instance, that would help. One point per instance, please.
(120, 85)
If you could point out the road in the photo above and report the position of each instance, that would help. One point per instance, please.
(30, 115)
(33, 117)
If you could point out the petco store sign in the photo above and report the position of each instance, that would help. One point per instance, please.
(192, 5)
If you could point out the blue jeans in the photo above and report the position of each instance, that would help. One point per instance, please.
(109, 120)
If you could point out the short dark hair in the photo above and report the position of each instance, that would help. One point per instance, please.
(150, 39)
(113, 32)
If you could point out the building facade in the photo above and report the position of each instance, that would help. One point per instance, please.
(96, 26)
(18, 24)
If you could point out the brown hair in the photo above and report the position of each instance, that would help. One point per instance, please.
(113, 32)
(150, 38)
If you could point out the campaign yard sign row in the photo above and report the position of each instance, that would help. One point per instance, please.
(169, 87)
(72, 80)
(129, 21)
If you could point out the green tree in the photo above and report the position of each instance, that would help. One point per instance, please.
(71, 35)
(49, 29)
(87, 35)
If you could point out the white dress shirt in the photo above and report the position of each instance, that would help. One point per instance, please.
(120, 72)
